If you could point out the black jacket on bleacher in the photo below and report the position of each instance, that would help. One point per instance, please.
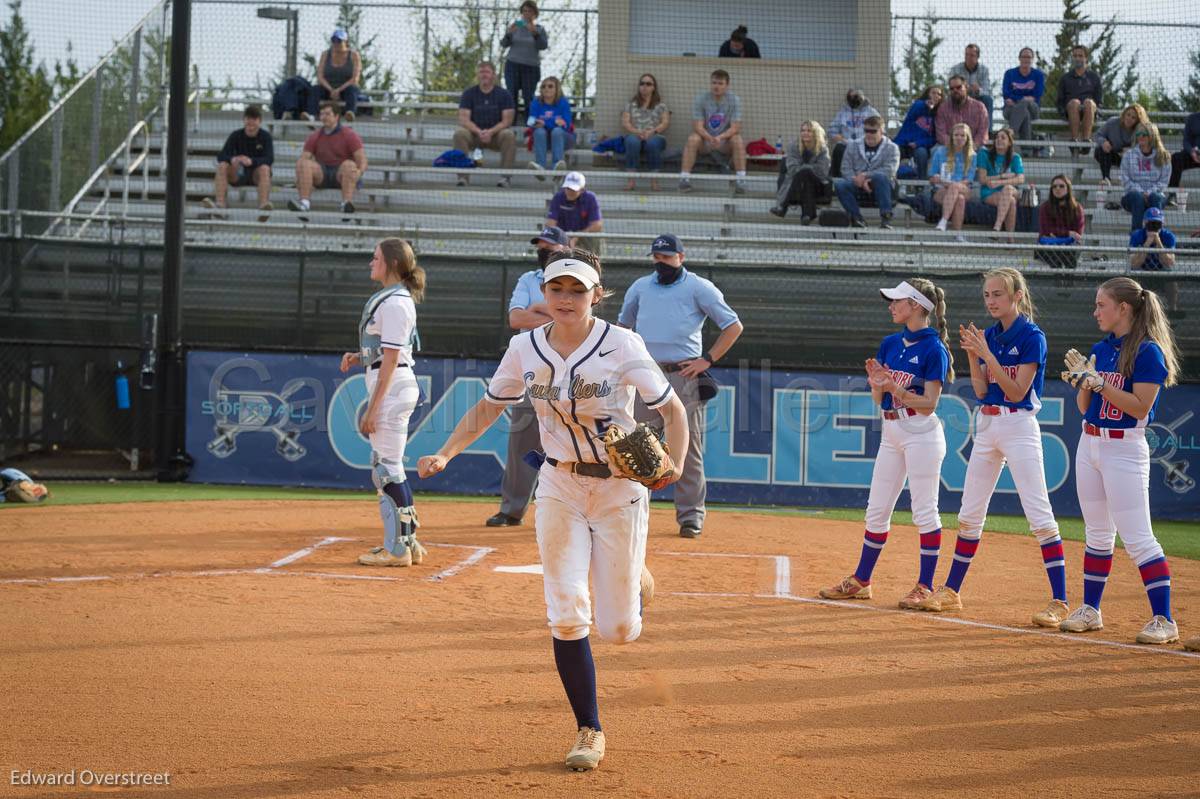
(260, 148)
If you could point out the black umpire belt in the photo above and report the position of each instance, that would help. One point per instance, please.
(378, 364)
(584, 469)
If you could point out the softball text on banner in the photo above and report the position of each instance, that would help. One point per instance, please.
(772, 437)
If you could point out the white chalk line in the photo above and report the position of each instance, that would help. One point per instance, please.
(783, 567)
(275, 569)
(1146, 649)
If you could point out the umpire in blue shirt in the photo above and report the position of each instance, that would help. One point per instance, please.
(667, 309)
(526, 310)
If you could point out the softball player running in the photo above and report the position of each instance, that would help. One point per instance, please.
(1118, 391)
(386, 334)
(1008, 365)
(906, 379)
(581, 373)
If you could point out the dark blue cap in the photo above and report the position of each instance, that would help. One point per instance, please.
(552, 235)
(667, 244)
(1153, 215)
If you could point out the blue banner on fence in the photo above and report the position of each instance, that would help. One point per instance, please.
(772, 437)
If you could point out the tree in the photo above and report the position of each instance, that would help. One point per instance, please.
(1189, 95)
(26, 89)
(453, 58)
(1069, 34)
(376, 75)
(919, 58)
(1120, 80)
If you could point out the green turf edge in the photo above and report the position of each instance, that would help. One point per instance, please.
(1179, 539)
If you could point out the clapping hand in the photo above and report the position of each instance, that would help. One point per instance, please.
(972, 340)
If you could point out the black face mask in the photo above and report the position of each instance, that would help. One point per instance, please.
(854, 101)
(667, 274)
(543, 255)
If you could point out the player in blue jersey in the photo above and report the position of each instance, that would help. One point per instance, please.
(1008, 367)
(1118, 392)
(906, 377)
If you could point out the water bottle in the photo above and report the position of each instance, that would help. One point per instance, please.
(122, 387)
(779, 144)
(477, 155)
(1101, 198)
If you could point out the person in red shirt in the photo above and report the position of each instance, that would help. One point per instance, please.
(333, 156)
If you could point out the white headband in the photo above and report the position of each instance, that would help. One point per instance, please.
(905, 291)
(570, 267)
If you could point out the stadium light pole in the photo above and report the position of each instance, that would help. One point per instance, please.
(170, 457)
(292, 17)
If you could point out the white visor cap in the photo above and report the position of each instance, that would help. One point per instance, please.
(570, 267)
(905, 291)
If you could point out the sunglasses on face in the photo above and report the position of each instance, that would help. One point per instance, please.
(871, 130)
(645, 83)
(1059, 186)
(1141, 134)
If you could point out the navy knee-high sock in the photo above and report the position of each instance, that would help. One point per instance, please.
(400, 493)
(577, 671)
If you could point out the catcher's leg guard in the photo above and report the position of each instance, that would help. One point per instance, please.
(396, 510)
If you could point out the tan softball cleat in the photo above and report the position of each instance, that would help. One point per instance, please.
(646, 592)
(850, 588)
(416, 552)
(381, 557)
(1083, 619)
(1052, 615)
(588, 750)
(913, 599)
(941, 601)
(1159, 631)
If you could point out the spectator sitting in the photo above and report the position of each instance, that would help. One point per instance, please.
(869, 169)
(739, 45)
(645, 120)
(1023, 89)
(847, 126)
(485, 117)
(1080, 93)
(523, 67)
(999, 171)
(550, 118)
(1152, 236)
(575, 210)
(803, 173)
(960, 108)
(950, 174)
(1145, 171)
(333, 156)
(979, 83)
(1116, 136)
(245, 159)
(1188, 156)
(716, 125)
(915, 139)
(339, 72)
(1060, 224)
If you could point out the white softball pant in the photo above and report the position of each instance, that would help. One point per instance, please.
(596, 524)
(1112, 477)
(1017, 439)
(391, 429)
(912, 447)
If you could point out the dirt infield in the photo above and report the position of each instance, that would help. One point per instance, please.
(190, 653)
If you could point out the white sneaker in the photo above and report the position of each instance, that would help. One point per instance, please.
(585, 755)
(941, 225)
(560, 165)
(1083, 619)
(1159, 631)
(539, 171)
(961, 239)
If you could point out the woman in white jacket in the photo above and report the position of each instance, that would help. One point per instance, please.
(1145, 171)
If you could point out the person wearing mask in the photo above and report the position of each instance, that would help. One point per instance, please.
(526, 310)
(739, 45)
(979, 83)
(1023, 87)
(847, 126)
(1080, 94)
(916, 139)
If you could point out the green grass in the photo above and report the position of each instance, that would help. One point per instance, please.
(1179, 539)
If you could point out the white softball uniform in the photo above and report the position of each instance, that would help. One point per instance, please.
(394, 322)
(1016, 437)
(586, 523)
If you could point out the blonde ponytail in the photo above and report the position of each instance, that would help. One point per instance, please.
(1149, 323)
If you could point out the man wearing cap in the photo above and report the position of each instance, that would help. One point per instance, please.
(668, 310)
(576, 210)
(1151, 236)
(526, 310)
(485, 117)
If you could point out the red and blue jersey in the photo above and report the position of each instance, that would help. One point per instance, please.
(1149, 367)
(1023, 342)
(912, 358)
